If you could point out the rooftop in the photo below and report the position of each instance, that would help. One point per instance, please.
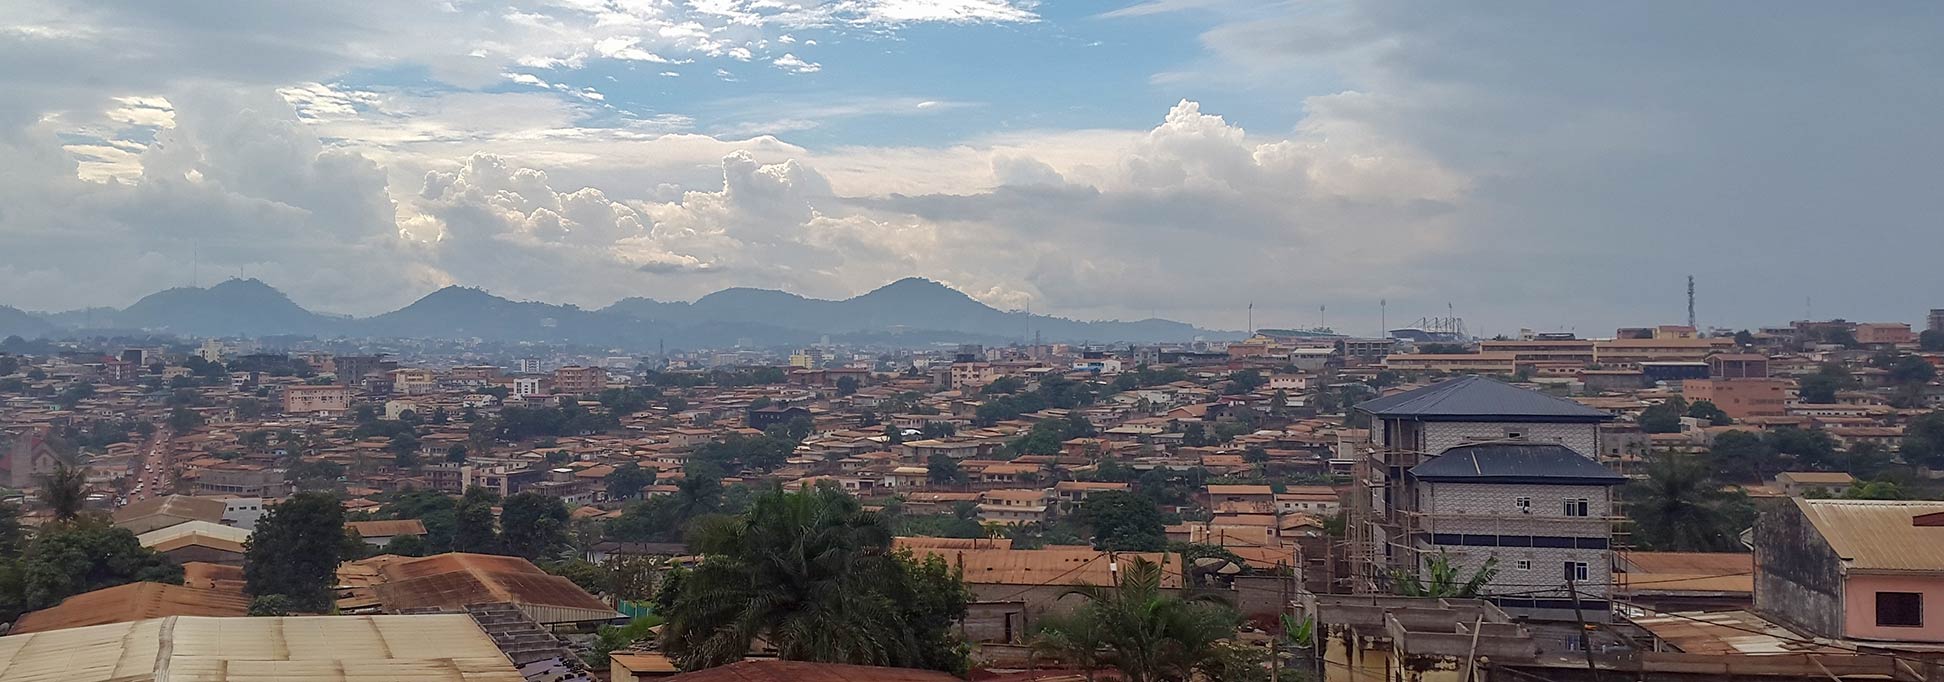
(1475, 397)
(441, 648)
(1879, 535)
(131, 602)
(805, 671)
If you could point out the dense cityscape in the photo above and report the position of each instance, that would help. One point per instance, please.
(1295, 502)
(971, 341)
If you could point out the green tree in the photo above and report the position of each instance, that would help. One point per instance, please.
(1245, 381)
(1742, 456)
(271, 605)
(1706, 409)
(64, 490)
(627, 480)
(295, 551)
(1821, 387)
(1911, 370)
(406, 545)
(1124, 522)
(1664, 417)
(473, 522)
(941, 469)
(812, 573)
(1440, 578)
(1139, 629)
(1744, 339)
(13, 540)
(85, 554)
(1923, 440)
(1679, 507)
(533, 525)
(183, 419)
(1931, 340)
(846, 385)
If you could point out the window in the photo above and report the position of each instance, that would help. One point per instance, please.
(1524, 564)
(1578, 507)
(1900, 609)
(1575, 571)
(1524, 504)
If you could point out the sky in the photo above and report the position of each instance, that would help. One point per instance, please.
(1559, 166)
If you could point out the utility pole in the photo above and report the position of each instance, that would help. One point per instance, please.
(1585, 642)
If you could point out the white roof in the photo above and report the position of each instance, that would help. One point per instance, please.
(203, 528)
(442, 648)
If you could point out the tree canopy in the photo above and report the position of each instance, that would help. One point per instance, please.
(813, 574)
(295, 551)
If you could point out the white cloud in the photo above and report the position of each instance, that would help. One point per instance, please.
(794, 64)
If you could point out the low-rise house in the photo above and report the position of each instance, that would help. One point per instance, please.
(381, 533)
(1013, 507)
(1853, 569)
(1826, 483)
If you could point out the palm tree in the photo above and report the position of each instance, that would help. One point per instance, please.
(64, 489)
(809, 572)
(1145, 633)
(1679, 507)
(1443, 579)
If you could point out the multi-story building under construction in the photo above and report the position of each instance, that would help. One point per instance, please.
(1474, 470)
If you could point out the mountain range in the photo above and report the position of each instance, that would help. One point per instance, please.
(909, 312)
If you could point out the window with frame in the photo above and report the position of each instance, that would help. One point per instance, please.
(1524, 504)
(1576, 571)
(1900, 609)
(1524, 564)
(1578, 507)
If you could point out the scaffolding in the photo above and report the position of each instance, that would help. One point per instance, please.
(1384, 525)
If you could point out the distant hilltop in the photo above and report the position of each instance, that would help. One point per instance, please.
(909, 312)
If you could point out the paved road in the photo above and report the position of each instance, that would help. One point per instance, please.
(155, 476)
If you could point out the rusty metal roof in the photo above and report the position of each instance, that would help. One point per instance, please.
(435, 648)
(805, 671)
(131, 602)
(387, 528)
(1032, 567)
(457, 579)
(1878, 535)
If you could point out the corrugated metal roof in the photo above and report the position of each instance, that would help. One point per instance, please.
(805, 671)
(131, 602)
(186, 528)
(1047, 566)
(1877, 535)
(181, 506)
(386, 528)
(1475, 396)
(441, 648)
(456, 580)
(1540, 463)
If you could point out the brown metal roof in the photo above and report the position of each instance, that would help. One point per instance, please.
(206, 575)
(1025, 567)
(131, 602)
(1877, 535)
(456, 580)
(386, 529)
(805, 671)
(180, 506)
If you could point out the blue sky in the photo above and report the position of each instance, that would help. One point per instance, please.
(1556, 166)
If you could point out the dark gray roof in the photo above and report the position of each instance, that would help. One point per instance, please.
(1476, 398)
(1508, 462)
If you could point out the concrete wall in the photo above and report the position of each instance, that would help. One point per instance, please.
(1860, 601)
(1797, 576)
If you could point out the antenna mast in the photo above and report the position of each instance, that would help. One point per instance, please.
(1691, 303)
